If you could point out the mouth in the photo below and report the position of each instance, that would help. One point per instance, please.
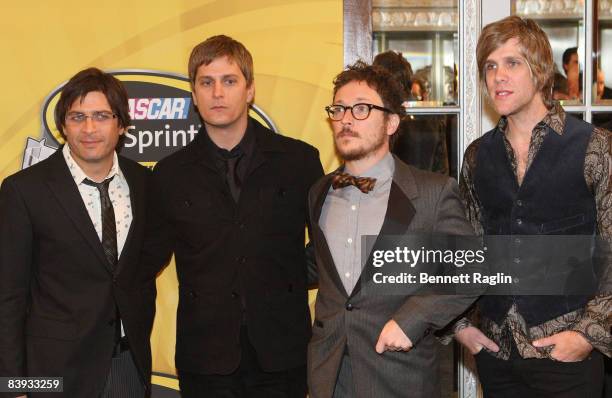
(503, 93)
(90, 143)
(217, 108)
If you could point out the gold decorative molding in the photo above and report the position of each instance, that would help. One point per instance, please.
(410, 19)
(549, 9)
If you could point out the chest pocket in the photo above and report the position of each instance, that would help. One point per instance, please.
(194, 217)
(564, 226)
(283, 208)
(280, 196)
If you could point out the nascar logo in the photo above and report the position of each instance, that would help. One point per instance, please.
(159, 108)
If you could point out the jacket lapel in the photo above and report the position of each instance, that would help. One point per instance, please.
(62, 185)
(266, 149)
(318, 195)
(137, 201)
(207, 181)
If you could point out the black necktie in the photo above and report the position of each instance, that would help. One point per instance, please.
(364, 184)
(109, 229)
(232, 159)
(109, 239)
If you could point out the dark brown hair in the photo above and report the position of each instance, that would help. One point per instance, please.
(399, 67)
(89, 80)
(378, 79)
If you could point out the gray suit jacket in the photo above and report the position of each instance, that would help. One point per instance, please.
(419, 201)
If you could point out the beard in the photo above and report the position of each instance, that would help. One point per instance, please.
(365, 147)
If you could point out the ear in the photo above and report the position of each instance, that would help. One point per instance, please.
(251, 92)
(392, 123)
(193, 96)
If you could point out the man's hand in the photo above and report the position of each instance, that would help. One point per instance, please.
(570, 346)
(392, 338)
(474, 340)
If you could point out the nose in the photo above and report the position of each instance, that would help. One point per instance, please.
(501, 74)
(89, 125)
(217, 90)
(347, 118)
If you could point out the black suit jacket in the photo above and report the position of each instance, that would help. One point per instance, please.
(58, 296)
(230, 254)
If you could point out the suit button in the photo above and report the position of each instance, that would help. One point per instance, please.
(519, 203)
(192, 294)
(234, 295)
(242, 226)
(519, 221)
(349, 307)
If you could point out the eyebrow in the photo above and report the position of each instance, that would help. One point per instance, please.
(506, 58)
(94, 111)
(213, 77)
(357, 100)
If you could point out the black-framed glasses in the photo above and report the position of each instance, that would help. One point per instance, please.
(99, 117)
(359, 111)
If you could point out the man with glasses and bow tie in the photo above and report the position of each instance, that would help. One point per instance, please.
(366, 345)
(71, 230)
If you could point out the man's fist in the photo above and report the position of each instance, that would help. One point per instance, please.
(392, 338)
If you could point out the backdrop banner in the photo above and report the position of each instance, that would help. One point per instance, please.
(297, 50)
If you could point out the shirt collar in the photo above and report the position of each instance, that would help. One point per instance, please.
(79, 175)
(382, 171)
(554, 119)
(246, 144)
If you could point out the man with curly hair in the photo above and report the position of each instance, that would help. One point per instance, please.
(364, 344)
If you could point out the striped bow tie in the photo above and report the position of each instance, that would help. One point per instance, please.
(364, 184)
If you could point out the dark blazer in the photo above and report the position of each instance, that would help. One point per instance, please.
(419, 201)
(58, 296)
(229, 255)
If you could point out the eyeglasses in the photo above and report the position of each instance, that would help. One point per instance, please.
(98, 117)
(359, 111)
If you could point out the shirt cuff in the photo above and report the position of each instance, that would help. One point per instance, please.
(595, 333)
(449, 332)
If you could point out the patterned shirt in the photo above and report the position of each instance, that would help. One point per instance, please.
(348, 214)
(594, 321)
(118, 190)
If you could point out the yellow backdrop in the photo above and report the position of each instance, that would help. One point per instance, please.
(296, 45)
